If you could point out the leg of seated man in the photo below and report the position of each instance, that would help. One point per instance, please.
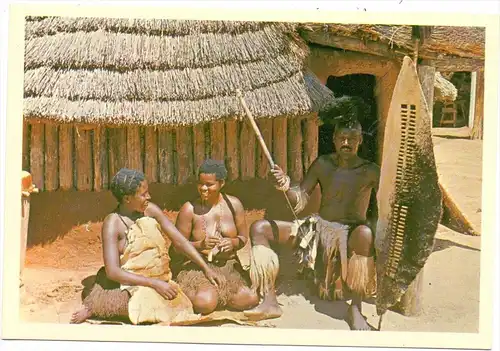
(360, 273)
(265, 264)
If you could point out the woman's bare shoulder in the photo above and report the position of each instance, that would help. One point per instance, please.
(236, 202)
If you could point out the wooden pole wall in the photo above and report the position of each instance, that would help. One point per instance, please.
(66, 147)
(232, 147)
(151, 154)
(280, 154)
(83, 148)
(51, 155)
(199, 151)
(247, 143)
(37, 141)
(67, 156)
(266, 128)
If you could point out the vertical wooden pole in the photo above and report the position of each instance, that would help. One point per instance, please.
(280, 143)
(100, 155)
(51, 157)
(477, 130)
(472, 101)
(411, 302)
(26, 146)
(166, 156)
(184, 151)
(36, 154)
(232, 150)
(151, 154)
(247, 151)
(66, 156)
(311, 136)
(266, 129)
(217, 141)
(117, 139)
(199, 145)
(295, 149)
(83, 150)
(134, 148)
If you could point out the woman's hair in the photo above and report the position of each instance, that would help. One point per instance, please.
(126, 182)
(213, 167)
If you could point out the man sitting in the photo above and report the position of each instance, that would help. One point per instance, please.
(340, 229)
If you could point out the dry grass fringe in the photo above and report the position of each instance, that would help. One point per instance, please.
(192, 279)
(287, 98)
(263, 269)
(145, 85)
(361, 277)
(107, 303)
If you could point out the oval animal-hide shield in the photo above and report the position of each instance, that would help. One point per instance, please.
(409, 197)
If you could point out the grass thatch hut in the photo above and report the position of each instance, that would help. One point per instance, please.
(159, 95)
(340, 50)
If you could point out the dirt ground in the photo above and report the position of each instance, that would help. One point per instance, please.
(62, 256)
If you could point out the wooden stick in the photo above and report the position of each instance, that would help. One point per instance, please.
(262, 144)
(255, 128)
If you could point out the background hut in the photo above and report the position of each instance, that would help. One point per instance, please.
(159, 96)
(342, 50)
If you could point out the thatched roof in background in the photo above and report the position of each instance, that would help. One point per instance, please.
(444, 90)
(467, 42)
(168, 72)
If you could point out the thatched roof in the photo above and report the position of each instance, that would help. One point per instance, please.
(444, 90)
(168, 72)
(467, 42)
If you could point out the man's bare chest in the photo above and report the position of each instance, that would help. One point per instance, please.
(341, 183)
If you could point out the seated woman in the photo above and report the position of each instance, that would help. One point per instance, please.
(136, 255)
(215, 225)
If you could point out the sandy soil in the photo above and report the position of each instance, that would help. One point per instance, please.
(459, 163)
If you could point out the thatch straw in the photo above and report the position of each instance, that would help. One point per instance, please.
(444, 90)
(460, 41)
(152, 72)
(43, 26)
(286, 98)
(122, 51)
(147, 84)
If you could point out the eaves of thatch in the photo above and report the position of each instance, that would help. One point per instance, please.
(164, 72)
(447, 48)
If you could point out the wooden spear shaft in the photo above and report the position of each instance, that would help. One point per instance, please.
(261, 142)
(255, 128)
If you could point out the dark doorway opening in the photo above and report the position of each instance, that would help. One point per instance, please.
(362, 85)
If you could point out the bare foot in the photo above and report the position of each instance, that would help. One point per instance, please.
(269, 308)
(356, 320)
(80, 316)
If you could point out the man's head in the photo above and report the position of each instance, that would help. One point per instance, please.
(130, 186)
(212, 175)
(347, 136)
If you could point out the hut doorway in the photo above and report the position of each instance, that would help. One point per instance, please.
(362, 85)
